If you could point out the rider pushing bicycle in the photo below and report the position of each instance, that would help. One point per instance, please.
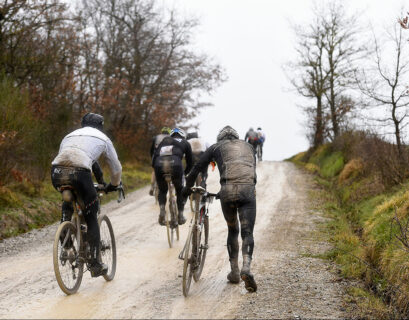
(237, 166)
(78, 155)
(168, 159)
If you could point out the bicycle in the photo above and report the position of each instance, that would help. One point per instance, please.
(258, 152)
(156, 192)
(193, 253)
(195, 198)
(71, 251)
(171, 215)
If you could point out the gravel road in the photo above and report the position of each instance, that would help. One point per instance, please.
(148, 281)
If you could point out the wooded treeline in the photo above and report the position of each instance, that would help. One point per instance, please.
(130, 60)
(354, 78)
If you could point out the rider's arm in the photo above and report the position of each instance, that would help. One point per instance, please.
(203, 162)
(97, 171)
(152, 147)
(115, 167)
(189, 157)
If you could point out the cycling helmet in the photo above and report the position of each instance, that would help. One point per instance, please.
(251, 129)
(165, 130)
(192, 135)
(178, 131)
(227, 133)
(93, 120)
(258, 128)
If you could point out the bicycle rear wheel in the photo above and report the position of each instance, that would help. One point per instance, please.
(168, 228)
(187, 265)
(107, 246)
(68, 267)
(156, 193)
(203, 242)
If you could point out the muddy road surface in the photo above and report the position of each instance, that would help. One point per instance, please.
(148, 281)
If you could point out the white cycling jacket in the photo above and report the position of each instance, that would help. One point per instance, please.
(82, 147)
(198, 145)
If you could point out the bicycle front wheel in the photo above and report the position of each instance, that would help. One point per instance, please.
(203, 242)
(107, 246)
(187, 265)
(68, 267)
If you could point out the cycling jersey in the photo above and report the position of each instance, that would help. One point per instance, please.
(174, 147)
(235, 160)
(83, 147)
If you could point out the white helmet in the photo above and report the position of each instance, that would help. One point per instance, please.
(178, 131)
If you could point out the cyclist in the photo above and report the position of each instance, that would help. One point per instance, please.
(252, 138)
(199, 146)
(155, 143)
(170, 153)
(78, 155)
(237, 166)
(261, 139)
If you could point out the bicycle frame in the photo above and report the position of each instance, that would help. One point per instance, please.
(200, 212)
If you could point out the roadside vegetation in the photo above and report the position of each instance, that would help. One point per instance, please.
(130, 60)
(22, 208)
(368, 205)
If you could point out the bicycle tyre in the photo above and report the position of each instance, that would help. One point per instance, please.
(107, 244)
(168, 228)
(202, 250)
(69, 228)
(187, 266)
(156, 193)
(259, 153)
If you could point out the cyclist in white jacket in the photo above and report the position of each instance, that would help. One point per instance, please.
(199, 146)
(78, 155)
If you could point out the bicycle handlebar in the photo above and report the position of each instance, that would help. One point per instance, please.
(202, 191)
(120, 189)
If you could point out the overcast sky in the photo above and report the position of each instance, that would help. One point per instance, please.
(252, 39)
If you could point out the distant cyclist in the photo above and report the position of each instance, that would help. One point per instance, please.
(170, 153)
(252, 138)
(199, 146)
(261, 138)
(78, 155)
(155, 143)
(237, 166)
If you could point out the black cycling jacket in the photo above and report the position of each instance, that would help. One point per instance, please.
(175, 147)
(235, 160)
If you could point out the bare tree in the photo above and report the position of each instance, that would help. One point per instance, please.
(327, 52)
(308, 75)
(384, 83)
(148, 76)
(342, 52)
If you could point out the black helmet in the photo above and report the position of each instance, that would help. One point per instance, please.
(192, 135)
(227, 133)
(258, 128)
(93, 120)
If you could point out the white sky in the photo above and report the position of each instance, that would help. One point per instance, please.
(252, 39)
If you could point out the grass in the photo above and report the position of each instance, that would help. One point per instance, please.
(362, 231)
(21, 210)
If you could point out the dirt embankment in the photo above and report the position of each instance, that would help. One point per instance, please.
(148, 279)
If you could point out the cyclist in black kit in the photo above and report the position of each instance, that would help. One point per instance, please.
(237, 166)
(252, 138)
(169, 154)
(155, 143)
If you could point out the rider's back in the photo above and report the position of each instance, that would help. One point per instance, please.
(236, 163)
(82, 147)
(198, 145)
